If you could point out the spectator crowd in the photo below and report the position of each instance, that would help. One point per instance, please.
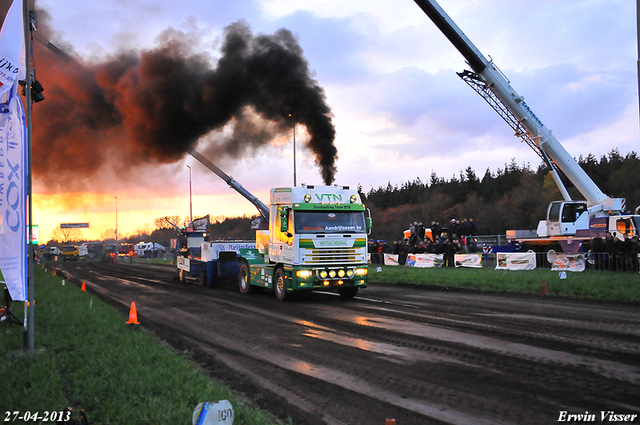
(615, 254)
(457, 238)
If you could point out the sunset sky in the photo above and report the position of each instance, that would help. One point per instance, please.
(389, 76)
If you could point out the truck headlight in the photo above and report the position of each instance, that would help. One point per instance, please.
(304, 273)
(332, 273)
(362, 272)
(350, 273)
(340, 273)
(323, 274)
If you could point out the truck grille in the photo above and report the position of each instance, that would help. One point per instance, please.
(332, 256)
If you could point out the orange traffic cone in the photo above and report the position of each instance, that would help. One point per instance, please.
(390, 422)
(84, 287)
(543, 287)
(133, 315)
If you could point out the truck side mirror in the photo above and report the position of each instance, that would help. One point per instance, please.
(284, 220)
(368, 221)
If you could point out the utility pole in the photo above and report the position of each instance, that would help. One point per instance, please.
(190, 199)
(28, 71)
(115, 260)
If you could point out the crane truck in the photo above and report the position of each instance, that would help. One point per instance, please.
(570, 224)
(317, 240)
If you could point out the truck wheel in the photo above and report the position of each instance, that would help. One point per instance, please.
(279, 285)
(244, 279)
(347, 293)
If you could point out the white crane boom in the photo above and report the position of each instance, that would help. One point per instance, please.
(496, 89)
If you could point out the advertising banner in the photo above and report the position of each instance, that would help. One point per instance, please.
(13, 157)
(468, 260)
(425, 260)
(516, 260)
(74, 225)
(568, 262)
(391, 260)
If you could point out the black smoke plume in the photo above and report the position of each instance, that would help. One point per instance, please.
(153, 106)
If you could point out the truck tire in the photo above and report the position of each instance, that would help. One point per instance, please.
(279, 284)
(244, 279)
(348, 293)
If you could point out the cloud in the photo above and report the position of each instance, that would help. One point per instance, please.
(333, 46)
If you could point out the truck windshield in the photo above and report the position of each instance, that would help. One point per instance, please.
(329, 222)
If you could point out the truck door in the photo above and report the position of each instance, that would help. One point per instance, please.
(624, 226)
(564, 218)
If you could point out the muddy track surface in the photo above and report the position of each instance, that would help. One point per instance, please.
(421, 356)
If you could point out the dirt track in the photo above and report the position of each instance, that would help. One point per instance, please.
(417, 355)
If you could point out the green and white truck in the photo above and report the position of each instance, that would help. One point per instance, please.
(317, 240)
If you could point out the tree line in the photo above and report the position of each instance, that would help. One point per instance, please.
(513, 197)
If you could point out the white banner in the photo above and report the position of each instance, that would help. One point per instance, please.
(11, 49)
(516, 260)
(391, 260)
(468, 260)
(13, 157)
(568, 262)
(425, 260)
(13, 194)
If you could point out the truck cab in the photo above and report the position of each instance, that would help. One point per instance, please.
(317, 240)
(70, 253)
(564, 218)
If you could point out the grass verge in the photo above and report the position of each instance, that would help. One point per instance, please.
(86, 357)
(602, 285)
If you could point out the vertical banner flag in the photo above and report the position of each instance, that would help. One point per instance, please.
(13, 156)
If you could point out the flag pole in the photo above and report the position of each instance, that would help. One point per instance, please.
(30, 251)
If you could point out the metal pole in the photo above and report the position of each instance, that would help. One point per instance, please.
(190, 198)
(27, 58)
(294, 154)
(116, 258)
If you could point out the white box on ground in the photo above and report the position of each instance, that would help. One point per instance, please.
(213, 413)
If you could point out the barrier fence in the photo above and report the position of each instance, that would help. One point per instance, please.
(625, 262)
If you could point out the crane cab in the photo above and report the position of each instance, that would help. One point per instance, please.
(565, 218)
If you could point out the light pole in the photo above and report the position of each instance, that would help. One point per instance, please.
(116, 257)
(294, 151)
(190, 199)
